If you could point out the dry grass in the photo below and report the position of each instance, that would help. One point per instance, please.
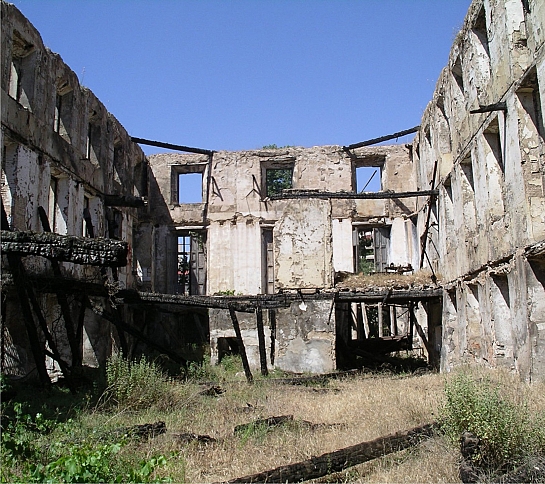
(367, 407)
(419, 279)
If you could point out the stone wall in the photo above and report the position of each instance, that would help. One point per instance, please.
(64, 151)
(490, 174)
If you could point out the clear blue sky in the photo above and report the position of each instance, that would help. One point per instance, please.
(241, 74)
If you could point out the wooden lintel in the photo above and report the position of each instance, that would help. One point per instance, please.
(287, 194)
(124, 201)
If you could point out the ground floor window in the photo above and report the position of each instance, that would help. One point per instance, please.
(191, 263)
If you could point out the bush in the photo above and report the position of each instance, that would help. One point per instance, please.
(507, 432)
(137, 384)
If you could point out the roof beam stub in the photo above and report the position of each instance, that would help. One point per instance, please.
(170, 146)
(388, 137)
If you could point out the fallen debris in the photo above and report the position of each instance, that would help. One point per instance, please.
(342, 459)
(212, 391)
(188, 437)
(264, 422)
(147, 431)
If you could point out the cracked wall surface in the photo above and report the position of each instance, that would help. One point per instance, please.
(491, 169)
(63, 151)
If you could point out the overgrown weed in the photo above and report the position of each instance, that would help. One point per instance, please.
(497, 413)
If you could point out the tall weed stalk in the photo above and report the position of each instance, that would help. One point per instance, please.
(506, 429)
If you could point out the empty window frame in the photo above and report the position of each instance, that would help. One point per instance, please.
(188, 183)
(481, 58)
(531, 127)
(191, 263)
(94, 138)
(278, 178)
(368, 174)
(22, 79)
(457, 73)
(267, 257)
(115, 224)
(371, 249)
(63, 112)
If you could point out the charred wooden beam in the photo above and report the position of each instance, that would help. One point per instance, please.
(123, 326)
(124, 201)
(388, 137)
(288, 194)
(66, 248)
(501, 106)
(170, 146)
(261, 341)
(241, 346)
(342, 459)
(393, 296)
(129, 296)
(75, 346)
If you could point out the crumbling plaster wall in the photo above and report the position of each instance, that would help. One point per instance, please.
(63, 151)
(313, 237)
(490, 172)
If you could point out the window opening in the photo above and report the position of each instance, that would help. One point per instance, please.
(63, 113)
(371, 249)
(190, 187)
(458, 74)
(268, 261)
(53, 202)
(21, 82)
(278, 179)
(191, 267)
(115, 224)
(368, 179)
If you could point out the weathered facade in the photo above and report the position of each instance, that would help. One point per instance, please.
(62, 151)
(481, 143)
(242, 237)
(252, 260)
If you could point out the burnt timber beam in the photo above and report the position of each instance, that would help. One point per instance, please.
(388, 137)
(342, 459)
(75, 345)
(286, 194)
(170, 146)
(66, 248)
(241, 347)
(123, 326)
(124, 201)
(393, 296)
(501, 106)
(261, 342)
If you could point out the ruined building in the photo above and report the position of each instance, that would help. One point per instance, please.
(481, 144)
(259, 260)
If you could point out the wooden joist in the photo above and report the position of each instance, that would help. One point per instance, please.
(65, 248)
(342, 459)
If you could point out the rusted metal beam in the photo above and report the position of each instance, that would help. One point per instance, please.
(388, 137)
(170, 146)
(287, 194)
(66, 248)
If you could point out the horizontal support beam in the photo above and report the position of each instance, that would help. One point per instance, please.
(287, 194)
(388, 137)
(124, 201)
(501, 106)
(388, 296)
(66, 248)
(170, 146)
